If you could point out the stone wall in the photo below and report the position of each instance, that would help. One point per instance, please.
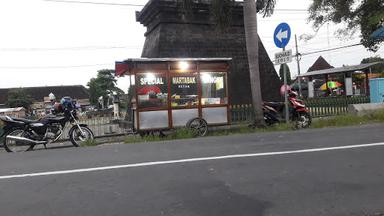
(171, 32)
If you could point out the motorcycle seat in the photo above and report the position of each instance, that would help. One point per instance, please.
(55, 118)
(27, 121)
(274, 104)
(58, 118)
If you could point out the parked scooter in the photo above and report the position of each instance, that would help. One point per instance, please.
(274, 112)
(23, 134)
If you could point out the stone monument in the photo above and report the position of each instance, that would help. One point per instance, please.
(172, 32)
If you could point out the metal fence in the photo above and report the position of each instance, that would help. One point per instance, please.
(101, 126)
(241, 113)
(318, 107)
(330, 106)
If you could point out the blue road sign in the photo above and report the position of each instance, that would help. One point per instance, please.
(282, 35)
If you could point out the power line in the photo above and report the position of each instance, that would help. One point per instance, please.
(318, 45)
(350, 49)
(292, 10)
(141, 5)
(95, 3)
(34, 49)
(106, 64)
(345, 54)
(279, 20)
(52, 67)
(330, 49)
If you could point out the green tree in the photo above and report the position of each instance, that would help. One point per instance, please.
(18, 98)
(366, 15)
(376, 68)
(103, 85)
(289, 79)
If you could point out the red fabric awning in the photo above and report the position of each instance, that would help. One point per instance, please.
(121, 68)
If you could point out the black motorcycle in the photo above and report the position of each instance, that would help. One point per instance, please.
(23, 134)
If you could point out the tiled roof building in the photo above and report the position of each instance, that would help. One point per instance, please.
(320, 64)
(40, 94)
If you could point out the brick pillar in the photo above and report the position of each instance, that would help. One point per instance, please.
(175, 34)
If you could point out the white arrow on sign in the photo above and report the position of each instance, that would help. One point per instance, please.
(282, 34)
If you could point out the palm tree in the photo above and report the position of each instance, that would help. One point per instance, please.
(250, 8)
(252, 43)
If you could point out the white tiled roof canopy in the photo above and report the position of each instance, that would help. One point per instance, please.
(344, 69)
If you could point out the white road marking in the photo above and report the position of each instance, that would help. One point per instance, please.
(189, 160)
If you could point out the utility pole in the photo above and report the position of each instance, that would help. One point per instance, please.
(298, 58)
(285, 92)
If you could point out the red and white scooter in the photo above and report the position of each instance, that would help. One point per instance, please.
(274, 112)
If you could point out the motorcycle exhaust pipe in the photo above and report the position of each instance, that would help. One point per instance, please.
(25, 140)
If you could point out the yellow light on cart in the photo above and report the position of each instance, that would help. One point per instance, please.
(183, 65)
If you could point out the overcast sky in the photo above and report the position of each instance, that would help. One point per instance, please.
(45, 43)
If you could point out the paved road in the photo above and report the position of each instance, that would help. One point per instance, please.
(260, 174)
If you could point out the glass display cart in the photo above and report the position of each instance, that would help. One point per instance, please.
(172, 93)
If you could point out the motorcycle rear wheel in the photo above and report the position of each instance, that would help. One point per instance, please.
(270, 120)
(77, 138)
(16, 146)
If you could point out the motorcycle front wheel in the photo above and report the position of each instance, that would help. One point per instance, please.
(14, 145)
(303, 120)
(77, 136)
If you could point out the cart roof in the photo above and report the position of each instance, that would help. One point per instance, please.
(175, 59)
(125, 66)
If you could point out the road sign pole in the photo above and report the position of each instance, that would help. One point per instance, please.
(281, 38)
(285, 92)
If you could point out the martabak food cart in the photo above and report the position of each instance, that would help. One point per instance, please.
(172, 93)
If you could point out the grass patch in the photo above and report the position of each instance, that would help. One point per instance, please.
(92, 142)
(244, 129)
(377, 116)
(349, 120)
(278, 127)
(336, 121)
(182, 133)
(241, 129)
(138, 139)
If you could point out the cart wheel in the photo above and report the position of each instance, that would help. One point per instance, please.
(198, 126)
